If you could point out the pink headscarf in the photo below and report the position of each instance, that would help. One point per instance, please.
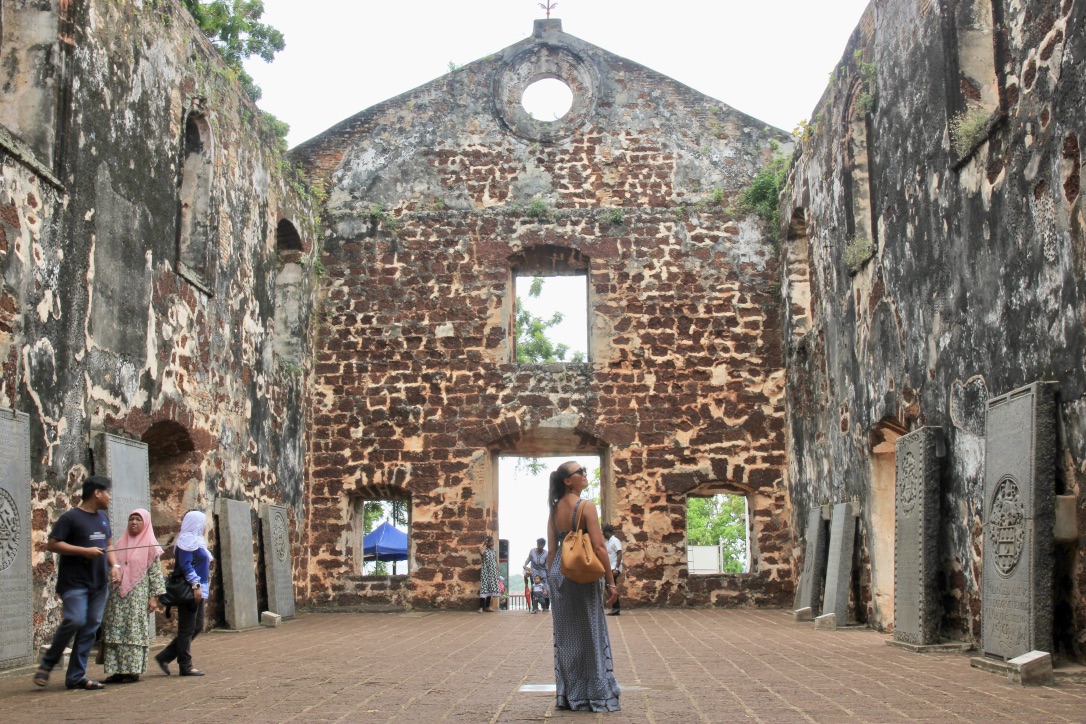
(142, 552)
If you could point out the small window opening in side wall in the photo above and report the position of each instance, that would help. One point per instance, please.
(717, 534)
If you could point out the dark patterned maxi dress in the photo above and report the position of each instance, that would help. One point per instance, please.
(488, 579)
(584, 675)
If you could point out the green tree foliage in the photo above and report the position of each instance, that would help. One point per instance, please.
(719, 519)
(234, 28)
(533, 345)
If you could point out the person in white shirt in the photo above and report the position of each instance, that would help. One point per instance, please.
(614, 552)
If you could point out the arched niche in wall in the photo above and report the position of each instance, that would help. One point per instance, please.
(32, 74)
(289, 290)
(798, 276)
(973, 79)
(196, 259)
(860, 230)
(881, 506)
(174, 474)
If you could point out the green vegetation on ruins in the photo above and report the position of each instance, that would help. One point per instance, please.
(763, 196)
(234, 28)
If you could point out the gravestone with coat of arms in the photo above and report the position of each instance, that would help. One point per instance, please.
(277, 559)
(1019, 515)
(916, 537)
(16, 610)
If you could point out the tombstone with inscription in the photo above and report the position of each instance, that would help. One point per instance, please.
(916, 537)
(809, 593)
(124, 462)
(236, 564)
(1019, 516)
(277, 559)
(839, 564)
(16, 609)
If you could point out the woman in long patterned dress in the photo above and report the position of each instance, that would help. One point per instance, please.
(125, 628)
(488, 579)
(584, 674)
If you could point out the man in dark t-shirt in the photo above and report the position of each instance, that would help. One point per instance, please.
(83, 539)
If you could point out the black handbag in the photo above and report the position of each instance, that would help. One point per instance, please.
(178, 592)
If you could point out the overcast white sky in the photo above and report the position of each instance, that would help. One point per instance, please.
(770, 59)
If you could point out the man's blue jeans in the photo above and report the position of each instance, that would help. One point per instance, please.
(83, 611)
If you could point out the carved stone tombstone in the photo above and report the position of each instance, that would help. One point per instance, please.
(812, 578)
(839, 565)
(238, 571)
(916, 537)
(278, 562)
(124, 462)
(16, 609)
(1019, 515)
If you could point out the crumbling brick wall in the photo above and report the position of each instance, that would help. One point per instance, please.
(972, 285)
(98, 331)
(431, 205)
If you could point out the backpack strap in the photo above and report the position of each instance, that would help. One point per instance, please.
(577, 515)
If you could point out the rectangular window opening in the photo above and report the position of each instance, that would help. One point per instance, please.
(717, 535)
(551, 319)
(383, 531)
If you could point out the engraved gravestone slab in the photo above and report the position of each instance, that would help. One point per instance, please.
(16, 609)
(812, 578)
(1019, 516)
(124, 462)
(278, 562)
(238, 571)
(839, 564)
(916, 537)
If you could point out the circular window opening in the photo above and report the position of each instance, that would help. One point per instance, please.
(548, 99)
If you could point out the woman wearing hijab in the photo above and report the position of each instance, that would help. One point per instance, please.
(192, 557)
(125, 629)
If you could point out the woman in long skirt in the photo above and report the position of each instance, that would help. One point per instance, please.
(126, 630)
(488, 577)
(584, 673)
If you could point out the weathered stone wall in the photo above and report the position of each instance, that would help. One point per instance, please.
(974, 286)
(98, 331)
(431, 206)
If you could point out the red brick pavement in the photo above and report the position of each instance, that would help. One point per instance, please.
(694, 664)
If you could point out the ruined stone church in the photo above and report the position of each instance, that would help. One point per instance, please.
(893, 378)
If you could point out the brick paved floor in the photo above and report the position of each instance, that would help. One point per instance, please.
(692, 665)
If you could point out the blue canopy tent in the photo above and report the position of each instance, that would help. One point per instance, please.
(385, 543)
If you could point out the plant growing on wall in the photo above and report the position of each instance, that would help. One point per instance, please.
(763, 196)
(967, 127)
(857, 252)
(539, 210)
